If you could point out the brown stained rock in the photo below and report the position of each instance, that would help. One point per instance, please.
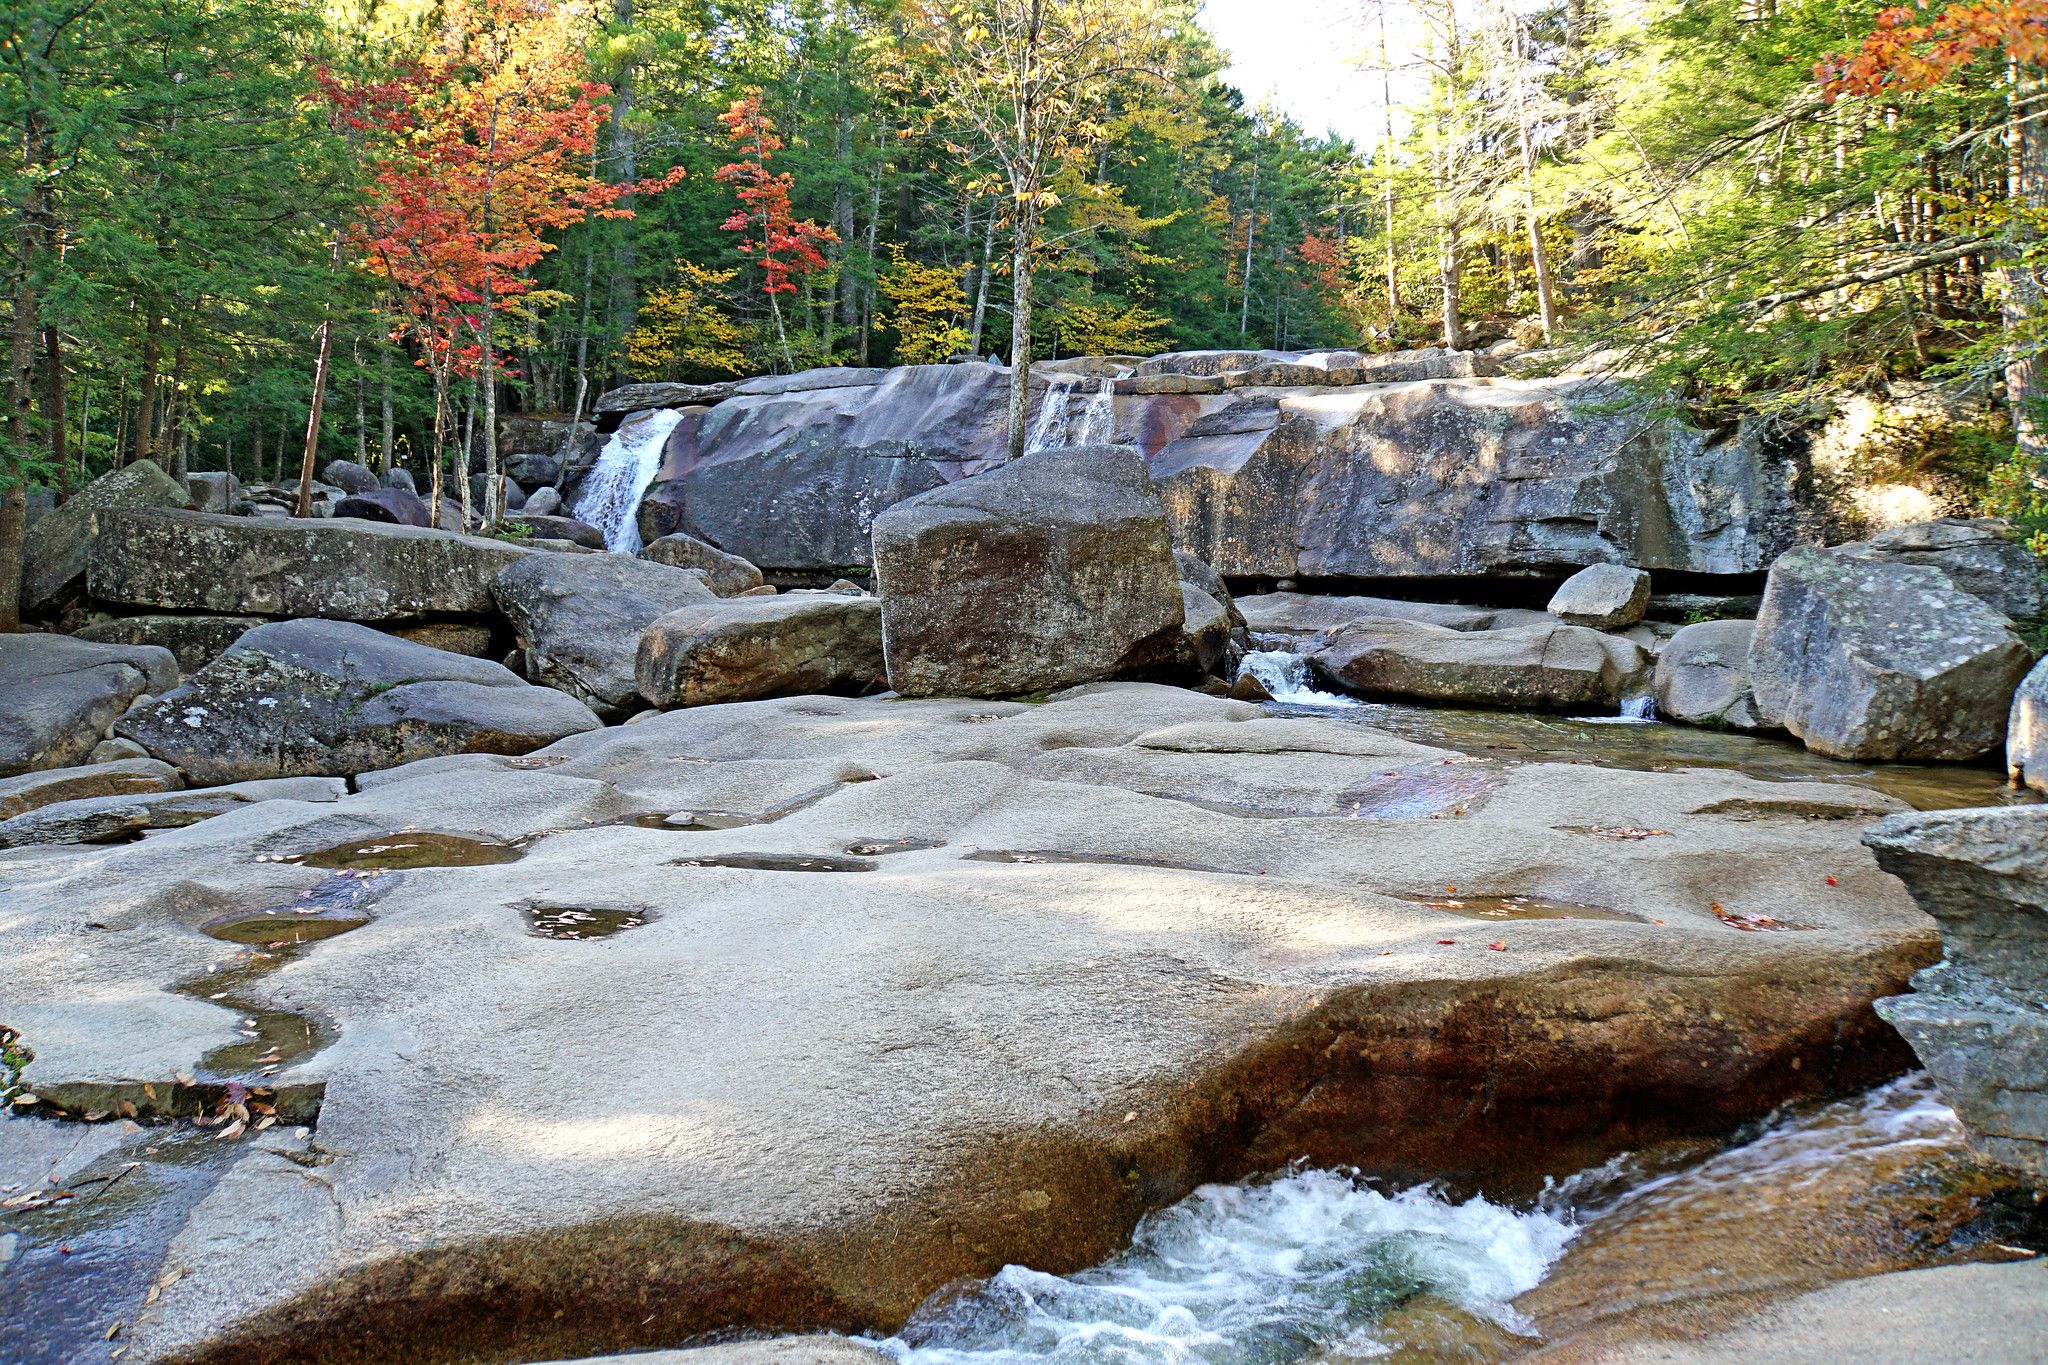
(752, 647)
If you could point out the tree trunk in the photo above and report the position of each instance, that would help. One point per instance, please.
(625, 169)
(1251, 227)
(1539, 258)
(2027, 162)
(362, 406)
(842, 219)
(145, 405)
(1387, 165)
(1020, 326)
(303, 505)
(440, 441)
(385, 435)
(988, 257)
(176, 408)
(13, 522)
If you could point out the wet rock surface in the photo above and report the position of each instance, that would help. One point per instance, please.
(59, 694)
(579, 619)
(1019, 1057)
(1864, 659)
(1053, 570)
(312, 698)
(1979, 1018)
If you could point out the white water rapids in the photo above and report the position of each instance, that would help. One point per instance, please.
(610, 500)
(1263, 1271)
(1285, 675)
(1058, 425)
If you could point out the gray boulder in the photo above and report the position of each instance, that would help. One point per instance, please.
(1205, 631)
(346, 570)
(391, 506)
(119, 816)
(579, 619)
(58, 695)
(1977, 553)
(195, 641)
(1051, 570)
(54, 551)
(213, 491)
(746, 648)
(512, 496)
(1201, 574)
(2026, 731)
(728, 575)
(1300, 613)
(1602, 597)
(1550, 666)
(1979, 1018)
(350, 477)
(560, 528)
(542, 502)
(127, 777)
(1703, 676)
(1864, 659)
(332, 698)
(401, 479)
(533, 469)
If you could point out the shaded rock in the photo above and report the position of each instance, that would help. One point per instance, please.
(392, 506)
(1202, 575)
(1703, 675)
(346, 570)
(317, 698)
(533, 469)
(579, 619)
(542, 502)
(511, 496)
(350, 477)
(1050, 570)
(477, 639)
(743, 648)
(400, 478)
(58, 695)
(1602, 597)
(1864, 659)
(55, 550)
(195, 641)
(1979, 1018)
(1550, 667)
(117, 818)
(124, 778)
(616, 403)
(1977, 553)
(2026, 731)
(1205, 631)
(1299, 613)
(560, 528)
(728, 575)
(213, 491)
(116, 750)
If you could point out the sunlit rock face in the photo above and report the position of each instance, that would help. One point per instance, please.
(1271, 463)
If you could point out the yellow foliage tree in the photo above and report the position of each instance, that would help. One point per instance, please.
(684, 328)
(1104, 327)
(926, 304)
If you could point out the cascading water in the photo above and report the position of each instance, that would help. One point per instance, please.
(1050, 428)
(1098, 419)
(610, 500)
(1285, 676)
(1263, 1271)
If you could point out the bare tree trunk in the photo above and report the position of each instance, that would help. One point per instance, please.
(988, 249)
(1020, 326)
(1539, 258)
(177, 407)
(1387, 164)
(440, 441)
(362, 407)
(145, 410)
(842, 220)
(1251, 229)
(57, 405)
(867, 313)
(625, 168)
(323, 359)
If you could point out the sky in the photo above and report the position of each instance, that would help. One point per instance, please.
(1302, 57)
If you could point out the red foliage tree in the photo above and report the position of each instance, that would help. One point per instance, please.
(785, 247)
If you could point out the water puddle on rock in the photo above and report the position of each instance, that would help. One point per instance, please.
(779, 862)
(1520, 907)
(882, 848)
(1017, 855)
(411, 849)
(582, 921)
(706, 820)
(1423, 792)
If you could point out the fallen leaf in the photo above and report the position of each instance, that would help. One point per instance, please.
(1832, 882)
(1443, 942)
(1498, 946)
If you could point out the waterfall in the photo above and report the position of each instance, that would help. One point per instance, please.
(1050, 428)
(610, 500)
(1285, 676)
(1056, 424)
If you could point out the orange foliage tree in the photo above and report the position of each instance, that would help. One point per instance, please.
(783, 246)
(486, 147)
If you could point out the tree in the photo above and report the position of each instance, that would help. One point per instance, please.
(926, 304)
(783, 247)
(683, 329)
(1025, 81)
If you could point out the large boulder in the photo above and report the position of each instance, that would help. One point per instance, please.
(744, 648)
(55, 550)
(392, 506)
(1979, 1017)
(350, 477)
(345, 570)
(728, 575)
(58, 695)
(1978, 554)
(195, 641)
(542, 502)
(551, 527)
(1602, 597)
(1548, 666)
(1864, 659)
(213, 491)
(2026, 731)
(1205, 631)
(533, 469)
(1054, 569)
(1703, 675)
(579, 619)
(124, 777)
(333, 698)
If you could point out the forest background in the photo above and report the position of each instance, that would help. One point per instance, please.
(242, 234)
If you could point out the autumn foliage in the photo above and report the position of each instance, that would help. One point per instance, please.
(1915, 49)
(784, 247)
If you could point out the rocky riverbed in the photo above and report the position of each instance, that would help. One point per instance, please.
(514, 949)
